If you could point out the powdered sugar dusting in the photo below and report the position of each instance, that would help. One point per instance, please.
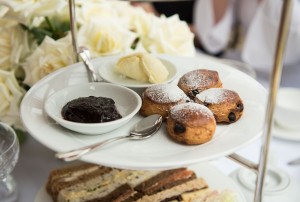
(165, 93)
(198, 78)
(215, 95)
(179, 112)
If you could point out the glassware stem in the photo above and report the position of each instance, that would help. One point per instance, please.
(8, 190)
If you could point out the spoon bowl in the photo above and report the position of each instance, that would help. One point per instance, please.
(144, 129)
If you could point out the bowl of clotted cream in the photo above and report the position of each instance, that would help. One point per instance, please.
(138, 70)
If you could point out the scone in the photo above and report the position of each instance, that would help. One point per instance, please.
(191, 123)
(226, 105)
(159, 99)
(193, 82)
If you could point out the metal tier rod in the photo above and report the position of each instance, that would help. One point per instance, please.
(274, 84)
(261, 167)
(244, 162)
(73, 28)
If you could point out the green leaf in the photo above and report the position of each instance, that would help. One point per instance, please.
(51, 27)
(40, 33)
(22, 135)
(135, 42)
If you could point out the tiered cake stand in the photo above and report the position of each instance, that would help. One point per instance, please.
(260, 167)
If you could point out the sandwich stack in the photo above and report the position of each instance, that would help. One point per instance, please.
(90, 183)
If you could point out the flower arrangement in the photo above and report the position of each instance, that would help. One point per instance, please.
(35, 40)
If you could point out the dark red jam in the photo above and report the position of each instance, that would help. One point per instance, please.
(91, 110)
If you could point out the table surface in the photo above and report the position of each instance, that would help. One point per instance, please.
(36, 161)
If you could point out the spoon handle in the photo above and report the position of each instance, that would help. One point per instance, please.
(85, 56)
(294, 162)
(76, 153)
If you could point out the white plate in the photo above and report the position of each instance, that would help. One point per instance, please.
(126, 101)
(279, 185)
(285, 134)
(214, 178)
(106, 71)
(158, 152)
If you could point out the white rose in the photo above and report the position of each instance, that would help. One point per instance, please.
(14, 45)
(90, 10)
(3, 10)
(51, 55)
(104, 37)
(80, 2)
(4, 23)
(10, 97)
(171, 36)
(24, 10)
(141, 22)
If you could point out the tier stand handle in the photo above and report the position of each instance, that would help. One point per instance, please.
(259, 168)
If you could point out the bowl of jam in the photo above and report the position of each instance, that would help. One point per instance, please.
(93, 108)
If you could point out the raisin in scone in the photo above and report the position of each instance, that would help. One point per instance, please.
(191, 123)
(226, 105)
(193, 82)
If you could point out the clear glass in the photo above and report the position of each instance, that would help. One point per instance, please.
(9, 154)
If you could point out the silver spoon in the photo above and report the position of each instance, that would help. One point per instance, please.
(294, 162)
(144, 129)
(84, 54)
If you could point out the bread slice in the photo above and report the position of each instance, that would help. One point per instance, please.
(210, 195)
(62, 178)
(175, 192)
(163, 180)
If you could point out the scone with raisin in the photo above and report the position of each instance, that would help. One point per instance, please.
(191, 123)
(226, 105)
(159, 99)
(193, 82)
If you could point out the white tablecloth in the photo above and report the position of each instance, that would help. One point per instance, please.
(36, 161)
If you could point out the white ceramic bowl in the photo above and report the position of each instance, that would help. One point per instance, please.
(107, 72)
(126, 100)
(287, 112)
